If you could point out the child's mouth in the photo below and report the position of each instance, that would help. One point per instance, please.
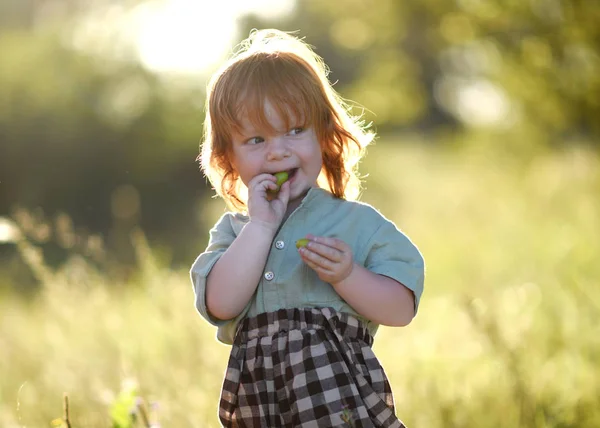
(292, 174)
(283, 177)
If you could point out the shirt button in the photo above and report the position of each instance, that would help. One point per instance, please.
(279, 245)
(269, 276)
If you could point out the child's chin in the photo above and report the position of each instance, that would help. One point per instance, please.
(299, 194)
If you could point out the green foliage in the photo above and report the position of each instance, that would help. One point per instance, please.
(122, 411)
(90, 132)
(500, 191)
(530, 69)
(99, 138)
(506, 333)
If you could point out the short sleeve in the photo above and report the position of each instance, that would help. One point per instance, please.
(221, 237)
(391, 253)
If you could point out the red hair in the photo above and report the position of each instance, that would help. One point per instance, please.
(276, 67)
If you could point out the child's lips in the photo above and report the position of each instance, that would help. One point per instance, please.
(292, 174)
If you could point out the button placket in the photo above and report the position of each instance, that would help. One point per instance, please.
(269, 275)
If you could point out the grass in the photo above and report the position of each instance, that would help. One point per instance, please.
(506, 335)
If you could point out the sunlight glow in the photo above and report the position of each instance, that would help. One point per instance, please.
(475, 102)
(188, 36)
(9, 232)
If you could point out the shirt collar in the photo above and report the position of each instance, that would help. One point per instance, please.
(315, 196)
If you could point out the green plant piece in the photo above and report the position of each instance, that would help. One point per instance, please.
(302, 242)
(281, 177)
(123, 409)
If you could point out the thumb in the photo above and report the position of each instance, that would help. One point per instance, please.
(284, 193)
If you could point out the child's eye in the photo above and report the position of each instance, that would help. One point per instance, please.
(296, 131)
(254, 140)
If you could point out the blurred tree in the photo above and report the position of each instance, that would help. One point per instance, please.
(529, 69)
(87, 131)
(98, 138)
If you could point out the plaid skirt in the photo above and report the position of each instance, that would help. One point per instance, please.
(305, 368)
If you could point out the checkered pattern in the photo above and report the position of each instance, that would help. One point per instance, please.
(305, 368)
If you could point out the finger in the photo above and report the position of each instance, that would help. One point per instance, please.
(267, 188)
(316, 259)
(284, 193)
(332, 248)
(261, 180)
(330, 242)
(326, 252)
(270, 185)
(316, 267)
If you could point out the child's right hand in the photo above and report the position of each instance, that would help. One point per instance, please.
(264, 208)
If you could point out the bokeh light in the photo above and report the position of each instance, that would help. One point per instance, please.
(487, 156)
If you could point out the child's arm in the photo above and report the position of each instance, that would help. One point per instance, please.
(233, 279)
(375, 291)
(381, 299)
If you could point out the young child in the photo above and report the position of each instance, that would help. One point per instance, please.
(301, 320)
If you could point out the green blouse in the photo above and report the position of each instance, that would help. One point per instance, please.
(287, 282)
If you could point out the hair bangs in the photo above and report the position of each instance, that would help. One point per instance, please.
(282, 82)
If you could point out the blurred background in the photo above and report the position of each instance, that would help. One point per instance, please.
(488, 122)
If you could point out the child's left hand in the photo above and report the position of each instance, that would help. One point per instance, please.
(331, 258)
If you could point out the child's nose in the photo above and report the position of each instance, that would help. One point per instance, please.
(277, 149)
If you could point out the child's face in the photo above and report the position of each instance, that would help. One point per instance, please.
(295, 150)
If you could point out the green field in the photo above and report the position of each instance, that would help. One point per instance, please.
(507, 334)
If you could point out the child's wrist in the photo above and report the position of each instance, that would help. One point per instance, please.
(346, 279)
(264, 226)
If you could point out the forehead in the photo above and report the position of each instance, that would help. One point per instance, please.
(268, 117)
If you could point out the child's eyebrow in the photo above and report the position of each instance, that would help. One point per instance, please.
(244, 126)
(243, 135)
(247, 131)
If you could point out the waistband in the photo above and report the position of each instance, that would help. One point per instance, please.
(271, 323)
